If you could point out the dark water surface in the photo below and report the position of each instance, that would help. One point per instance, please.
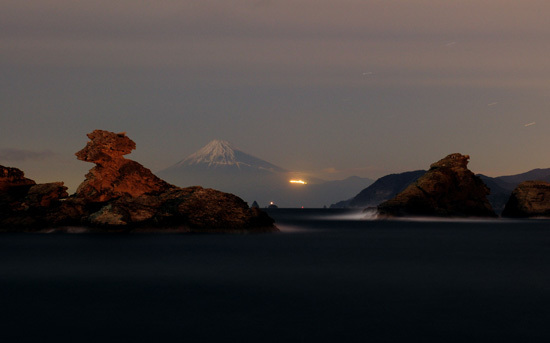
(328, 277)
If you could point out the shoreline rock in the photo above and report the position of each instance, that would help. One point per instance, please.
(529, 199)
(447, 189)
(12, 178)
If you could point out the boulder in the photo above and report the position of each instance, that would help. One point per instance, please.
(529, 199)
(447, 189)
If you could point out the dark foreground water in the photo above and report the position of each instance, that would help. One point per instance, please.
(328, 277)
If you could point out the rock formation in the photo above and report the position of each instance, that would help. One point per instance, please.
(447, 189)
(121, 195)
(23, 202)
(114, 176)
(11, 178)
(529, 199)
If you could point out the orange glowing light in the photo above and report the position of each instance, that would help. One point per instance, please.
(301, 182)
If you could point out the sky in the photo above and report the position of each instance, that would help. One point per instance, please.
(333, 88)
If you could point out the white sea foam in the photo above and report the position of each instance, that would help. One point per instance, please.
(356, 215)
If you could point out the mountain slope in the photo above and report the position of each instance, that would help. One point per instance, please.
(500, 191)
(221, 166)
(535, 174)
(381, 190)
(221, 154)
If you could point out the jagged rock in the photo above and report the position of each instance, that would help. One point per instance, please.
(13, 177)
(448, 188)
(529, 199)
(114, 176)
(120, 194)
(23, 203)
(20, 193)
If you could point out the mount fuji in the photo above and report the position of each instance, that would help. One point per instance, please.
(222, 166)
(221, 154)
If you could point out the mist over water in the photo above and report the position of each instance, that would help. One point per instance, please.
(328, 276)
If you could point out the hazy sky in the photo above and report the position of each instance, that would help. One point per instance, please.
(335, 88)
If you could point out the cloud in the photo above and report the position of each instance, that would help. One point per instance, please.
(24, 155)
(287, 43)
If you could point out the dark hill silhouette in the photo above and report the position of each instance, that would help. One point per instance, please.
(381, 190)
(500, 192)
(535, 174)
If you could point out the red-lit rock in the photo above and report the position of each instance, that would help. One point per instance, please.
(23, 203)
(13, 177)
(115, 176)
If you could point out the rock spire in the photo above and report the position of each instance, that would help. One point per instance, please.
(115, 176)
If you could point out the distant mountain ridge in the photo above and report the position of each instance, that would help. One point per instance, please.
(222, 166)
(540, 174)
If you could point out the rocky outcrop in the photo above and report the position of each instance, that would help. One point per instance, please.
(25, 203)
(121, 195)
(447, 189)
(193, 209)
(17, 191)
(115, 176)
(12, 178)
(529, 199)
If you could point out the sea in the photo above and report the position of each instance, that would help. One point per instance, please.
(328, 276)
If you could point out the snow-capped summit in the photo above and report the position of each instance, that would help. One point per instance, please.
(222, 154)
(215, 152)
